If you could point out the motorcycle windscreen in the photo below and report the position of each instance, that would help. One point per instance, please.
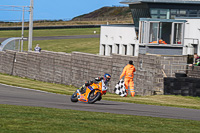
(104, 88)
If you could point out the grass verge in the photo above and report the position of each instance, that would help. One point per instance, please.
(65, 23)
(38, 119)
(87, 45)
(50, 32)
(161, 100)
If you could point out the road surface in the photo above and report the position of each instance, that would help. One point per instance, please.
(27, 97)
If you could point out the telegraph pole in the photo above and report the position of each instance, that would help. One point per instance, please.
(22, 41)
(30, 27)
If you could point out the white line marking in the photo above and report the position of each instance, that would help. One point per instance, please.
(30, 89)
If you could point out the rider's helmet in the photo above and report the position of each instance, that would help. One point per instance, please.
(106, 78)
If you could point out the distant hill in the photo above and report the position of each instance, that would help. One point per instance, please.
(111, 13)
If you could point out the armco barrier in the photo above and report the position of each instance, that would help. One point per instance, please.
(76, 68)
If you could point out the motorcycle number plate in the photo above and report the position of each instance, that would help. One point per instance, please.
(104, 88)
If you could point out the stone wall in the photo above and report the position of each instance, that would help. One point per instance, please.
(76, 68)
(45, 66)
(173, 64)
(7, 62)
(88, 66)
(118, 63)
(148, 75)
(194, 72)
(20, 65)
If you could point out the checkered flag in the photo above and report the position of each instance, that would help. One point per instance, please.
(120, 88)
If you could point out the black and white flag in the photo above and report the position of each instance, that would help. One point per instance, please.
(120, 88)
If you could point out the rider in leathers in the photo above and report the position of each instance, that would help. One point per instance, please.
(106, 79)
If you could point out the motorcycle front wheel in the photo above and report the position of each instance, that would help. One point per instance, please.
(93, 97)
(74, 97)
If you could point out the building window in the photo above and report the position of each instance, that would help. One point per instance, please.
(154, 16)
(193, 13)
(163, 17)
(153, 38)
(154, 11)
(183, 13)
(104, 49)
(110, 48)
(173, 16)
(173, 13)
(178, 33)
(161, 32)
(133, 49)
(160, 13)
(163, 11)
(117, 48)
(165, 32)
(198, 13)
(125, 49)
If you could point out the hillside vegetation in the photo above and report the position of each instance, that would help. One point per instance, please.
(110, 13)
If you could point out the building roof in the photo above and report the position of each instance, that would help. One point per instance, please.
(161, 1)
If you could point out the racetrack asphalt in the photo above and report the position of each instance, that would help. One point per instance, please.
(60, 37)
(28, 97)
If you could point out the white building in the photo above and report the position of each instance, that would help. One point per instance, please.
(160, 27)
(119, 39)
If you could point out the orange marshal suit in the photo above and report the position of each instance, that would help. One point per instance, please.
(129, 74)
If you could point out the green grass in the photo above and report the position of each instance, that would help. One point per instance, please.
(21, 119)
(162, 100)
(50, 32)
(87, 45)
(37, 85)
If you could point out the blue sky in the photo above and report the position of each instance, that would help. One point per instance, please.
(54, 9)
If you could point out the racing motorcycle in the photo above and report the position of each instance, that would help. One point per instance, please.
(91, 94)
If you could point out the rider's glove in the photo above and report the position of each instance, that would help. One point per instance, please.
(90, 82)
(87, 83)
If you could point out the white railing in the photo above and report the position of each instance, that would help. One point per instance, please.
(192, 40)
(175, 70)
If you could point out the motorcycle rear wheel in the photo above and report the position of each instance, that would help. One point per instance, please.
(74, 97)
(93, 97)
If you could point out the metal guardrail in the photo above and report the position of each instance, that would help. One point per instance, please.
(180, 70)
(193, 40)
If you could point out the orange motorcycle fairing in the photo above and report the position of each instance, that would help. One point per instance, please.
(92, 93)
